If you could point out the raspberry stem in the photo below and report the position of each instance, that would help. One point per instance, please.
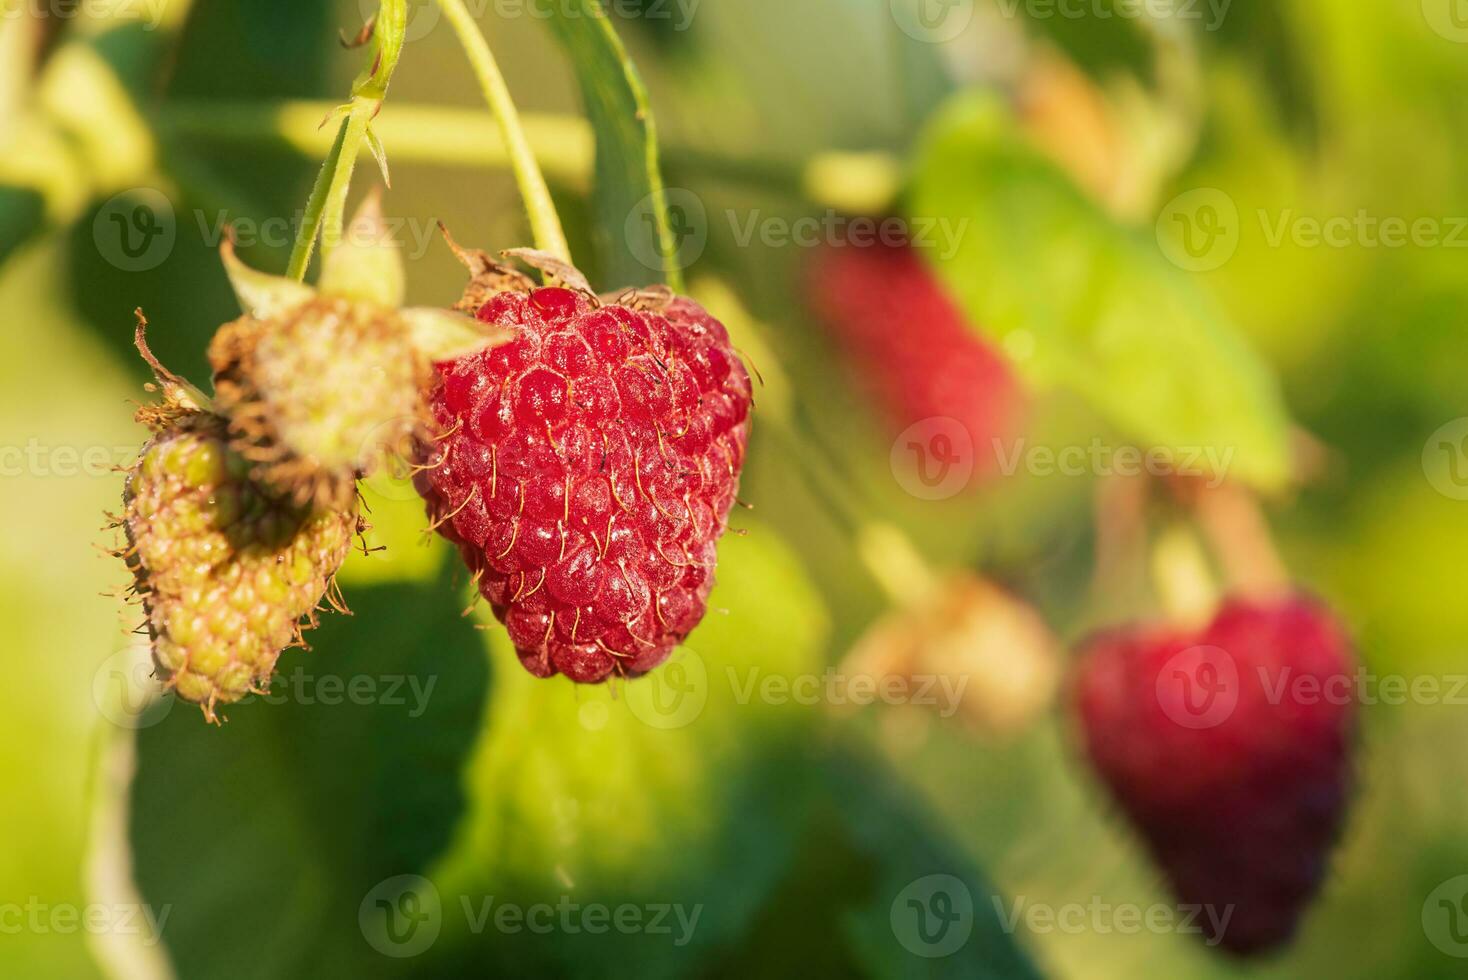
(545, 223)
(326, 206)
(1183, 578)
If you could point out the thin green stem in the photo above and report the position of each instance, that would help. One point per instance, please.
(315, 210)
(545, 223)
(326, 207)
(354, 132)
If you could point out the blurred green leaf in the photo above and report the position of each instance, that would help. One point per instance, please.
(21, 211)
(279, 824)
(682, 788)
(930, 911)
(637, 243)
(1087, 306)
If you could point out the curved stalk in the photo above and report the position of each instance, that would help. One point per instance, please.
(326, 206)
(545, 223)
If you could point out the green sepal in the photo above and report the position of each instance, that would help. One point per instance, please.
(366, 266)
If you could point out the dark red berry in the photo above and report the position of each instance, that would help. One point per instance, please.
(586, 471)
(911, 347)
(1230, 749)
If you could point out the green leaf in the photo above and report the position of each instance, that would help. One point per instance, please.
(847, 908)
(281, 822)
(1087, 306)
(683, 788)
(636, 240)
(930, 911)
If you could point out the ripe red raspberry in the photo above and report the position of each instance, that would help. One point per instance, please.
(1231, 750)
(912, 348)
(586, 470)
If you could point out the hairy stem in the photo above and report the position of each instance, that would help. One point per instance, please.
(545, 223)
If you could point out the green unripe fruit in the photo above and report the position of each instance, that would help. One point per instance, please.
(229, 571)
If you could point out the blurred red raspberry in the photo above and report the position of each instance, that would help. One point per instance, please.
(911, 347)
(1231, 751)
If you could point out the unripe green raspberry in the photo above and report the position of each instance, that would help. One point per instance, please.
(317, 394)
(226, 569)
(320, 385)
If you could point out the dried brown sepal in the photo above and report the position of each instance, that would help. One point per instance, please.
(557, 271)
(653, 299)
(487, 276)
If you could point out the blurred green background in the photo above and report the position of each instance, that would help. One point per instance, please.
(1072, 136)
